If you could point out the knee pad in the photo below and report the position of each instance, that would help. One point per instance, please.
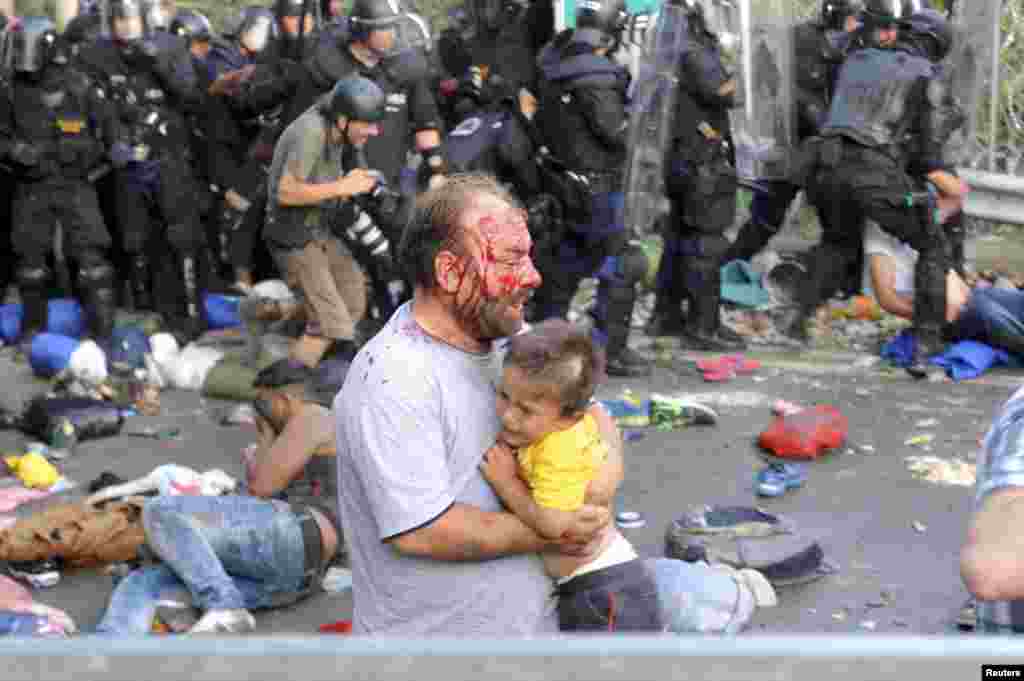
(32, 275)
(633, 263)
(96, 275)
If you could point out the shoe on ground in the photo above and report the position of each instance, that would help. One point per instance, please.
(777, 478)
(715, 342)
(225, 621)
(752, 580)
(39, 574)
(680, 412)
(628, 363)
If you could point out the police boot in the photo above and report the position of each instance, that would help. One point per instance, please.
(667, 317)
(622, 360)
(751, 240)
(140, 283)
(929, 312)
(96, 279)
(703, 324)
(33, 282)
(194, 323)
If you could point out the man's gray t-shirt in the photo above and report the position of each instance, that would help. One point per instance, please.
(414, 419)
(304, 150)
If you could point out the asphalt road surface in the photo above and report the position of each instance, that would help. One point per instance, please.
(893, 539)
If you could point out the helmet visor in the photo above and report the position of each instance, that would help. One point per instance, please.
(256, 34)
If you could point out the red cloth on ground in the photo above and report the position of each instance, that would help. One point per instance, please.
(806, 434)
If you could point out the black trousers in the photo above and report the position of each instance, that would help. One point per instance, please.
(867, 184)
(621, 597)
(39, 206)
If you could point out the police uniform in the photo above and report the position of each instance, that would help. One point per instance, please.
(701, 185)
(151, 96)
(582, 122)
(881, 97)
(62, 118)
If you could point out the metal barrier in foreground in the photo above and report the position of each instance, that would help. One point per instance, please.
(597, 658)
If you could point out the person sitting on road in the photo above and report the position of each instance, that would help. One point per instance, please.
(550, 442)
(287, 544)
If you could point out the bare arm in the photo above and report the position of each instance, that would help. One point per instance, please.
(602, 489)
(992, 559)
(277, 463)
(291, 191)
(466, 533)
(500, 468)
(883, 282)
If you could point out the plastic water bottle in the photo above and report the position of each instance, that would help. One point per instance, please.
(23, 624)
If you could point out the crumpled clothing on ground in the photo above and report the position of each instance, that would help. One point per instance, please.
(81, 536)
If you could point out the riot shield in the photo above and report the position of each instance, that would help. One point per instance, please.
(760, 35)
(973, 72)
(653, 101)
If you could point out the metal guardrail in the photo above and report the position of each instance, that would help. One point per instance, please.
(994, 196)
(597, 658)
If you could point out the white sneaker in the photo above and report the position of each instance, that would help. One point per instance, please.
(758, 585)
(224, 621)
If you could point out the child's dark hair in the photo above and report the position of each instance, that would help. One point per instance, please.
(563, 356)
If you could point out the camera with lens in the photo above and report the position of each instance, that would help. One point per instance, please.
(382, 204)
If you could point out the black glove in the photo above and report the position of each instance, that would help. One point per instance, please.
(25, 153)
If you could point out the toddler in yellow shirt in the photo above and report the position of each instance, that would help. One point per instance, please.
(549, 377)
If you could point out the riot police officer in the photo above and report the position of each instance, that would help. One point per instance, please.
(582, 122)
(504, 39)
(54, 133)
(881, 100)
(148, 76)
(820, 46)
(236, 170)
(299, 21)
(701, 185)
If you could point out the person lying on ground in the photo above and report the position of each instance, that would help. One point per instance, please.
(993, 316)
(549, 442)
(239, 553)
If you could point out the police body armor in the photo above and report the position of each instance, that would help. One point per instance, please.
(509, 51)
(150, 113)
(564, 126)
(702, 149)
(872, 96)
(56, 117)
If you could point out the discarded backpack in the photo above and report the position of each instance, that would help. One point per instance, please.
(745, 537)
(63, 421)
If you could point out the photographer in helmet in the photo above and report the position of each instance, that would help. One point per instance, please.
(307, 183)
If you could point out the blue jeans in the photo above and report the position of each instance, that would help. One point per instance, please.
(993, 316)
(695, 599)
(223, 552)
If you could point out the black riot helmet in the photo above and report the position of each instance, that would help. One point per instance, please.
(368, 15)
(31, 44)
(487, 14)
(191, 26)
(835, 12)
(356, 98)
(253, 27)
(930, 30)
(82, 29)
(599, 23)
(884, 14)
(131, 21)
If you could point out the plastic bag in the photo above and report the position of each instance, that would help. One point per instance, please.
(62, 421)
(188, 370)
(806, 434)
